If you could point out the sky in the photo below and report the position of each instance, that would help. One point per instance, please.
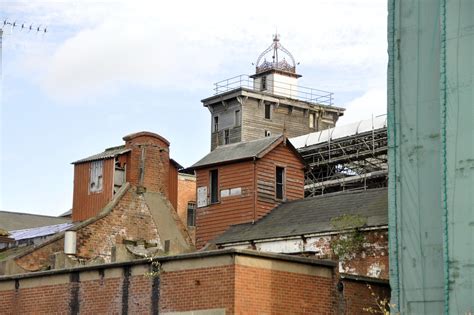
(105, 69)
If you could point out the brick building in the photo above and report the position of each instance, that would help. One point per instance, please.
(212, 282)
(351, 227)
(241, 182)
(124, 205)
(269, 102)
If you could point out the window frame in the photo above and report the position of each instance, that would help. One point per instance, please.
(191, 209)
(280, 184)
(312, 120)
(226, 136)
(215, 125)
(237, 117)
(96, 172)
(269, 106)
(263, 83)
(213, 193)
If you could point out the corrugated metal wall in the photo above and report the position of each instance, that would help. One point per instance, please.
(431, 155)
(86, 204)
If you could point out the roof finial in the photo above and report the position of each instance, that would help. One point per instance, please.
(275, 63)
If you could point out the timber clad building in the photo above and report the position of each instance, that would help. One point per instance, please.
(270, 102)
(242, 182)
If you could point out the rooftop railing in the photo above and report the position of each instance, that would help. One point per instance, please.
(279, 88)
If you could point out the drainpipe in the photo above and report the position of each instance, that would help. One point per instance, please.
(255, 189)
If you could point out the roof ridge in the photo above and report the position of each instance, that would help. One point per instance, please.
(26, 213)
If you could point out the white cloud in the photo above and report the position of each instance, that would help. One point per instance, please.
(187, 44)
(373, 102)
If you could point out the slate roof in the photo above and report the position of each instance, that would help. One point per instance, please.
(312, 215)
(237, 151)
(16, 221)
(107, 154)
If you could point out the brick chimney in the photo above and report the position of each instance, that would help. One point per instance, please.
(148, 165)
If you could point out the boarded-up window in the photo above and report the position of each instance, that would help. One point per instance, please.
(96, 176)
(280, 182)
(191, 214)
(268, 111)
(213, 186)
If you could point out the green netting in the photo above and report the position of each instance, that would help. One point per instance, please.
(431, 155)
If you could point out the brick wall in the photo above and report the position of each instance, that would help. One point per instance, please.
(186, 193)
(153, 150)
(230, 281)
(363, 297)
(129, 219)
(280, 292)
(371, 260)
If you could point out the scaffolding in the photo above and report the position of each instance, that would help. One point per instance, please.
(350, 157)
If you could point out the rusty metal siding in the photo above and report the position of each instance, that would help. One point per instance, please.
(86, 204)
(266, 173)
(216, 218)
(173, 185)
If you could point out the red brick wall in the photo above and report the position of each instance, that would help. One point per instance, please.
(239, 289)
(198, 289)
(360, 297)
(156, 165)
(128, 220)
(279, 292)
(186, 193)
(47, 299)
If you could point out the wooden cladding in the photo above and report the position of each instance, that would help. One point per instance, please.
(256, 184)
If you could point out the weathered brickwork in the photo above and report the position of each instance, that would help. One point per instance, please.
(149, 161)
(236, 282)
(198, 289)
(186, 194)
(129, 220)
(358, 298)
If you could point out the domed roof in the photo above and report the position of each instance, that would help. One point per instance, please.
(276, 62)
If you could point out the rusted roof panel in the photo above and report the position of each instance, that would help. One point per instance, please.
(107, 154)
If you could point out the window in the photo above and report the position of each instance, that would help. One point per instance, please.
(312, 120)
(226, 136)
(191, 214)
(268, 111)
(95, 181)
(216, 123)
(280, 182)
(268, 133)
(263, 83)
(213, 183)
(237, 118)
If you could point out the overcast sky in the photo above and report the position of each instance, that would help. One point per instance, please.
(106, 69)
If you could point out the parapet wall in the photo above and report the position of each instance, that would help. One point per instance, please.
(215, 282)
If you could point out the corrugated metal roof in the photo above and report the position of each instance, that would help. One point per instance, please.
(107, 154)
(16, 221)
(18, 235)
(236, 151)
(339, 132)
(312, 215)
